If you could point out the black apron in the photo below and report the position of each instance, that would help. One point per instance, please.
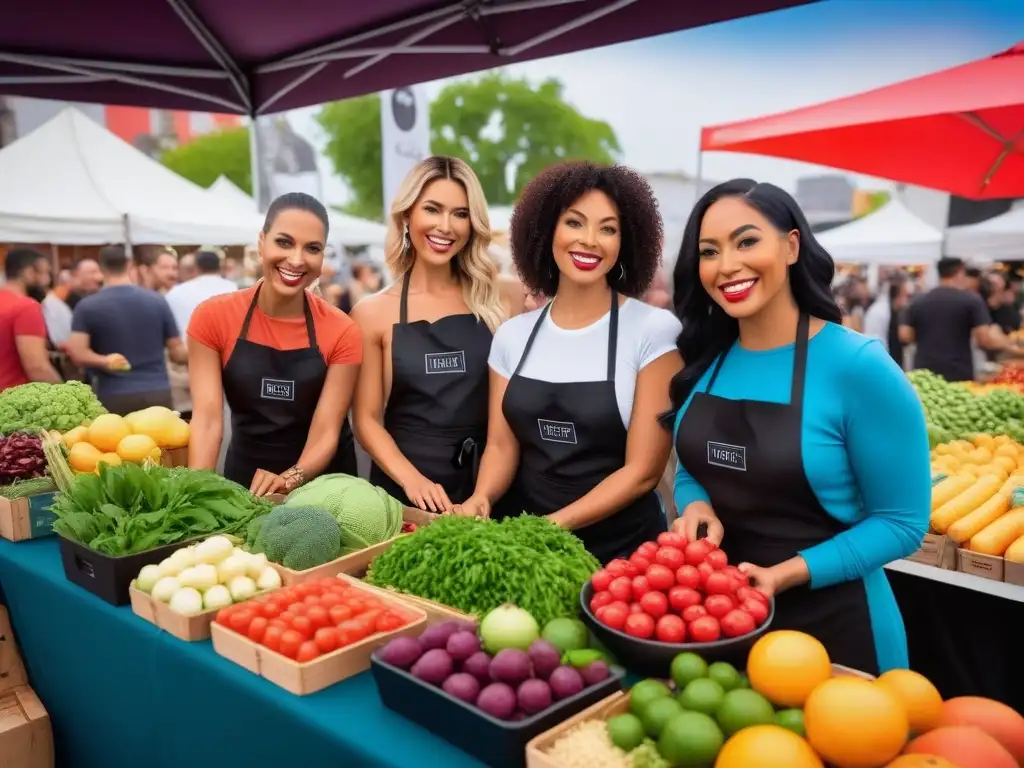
(748, 456)
(437, 409)
(571, 438)
(272, 394)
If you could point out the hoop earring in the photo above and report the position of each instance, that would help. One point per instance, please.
(406, 240)
(622, 271)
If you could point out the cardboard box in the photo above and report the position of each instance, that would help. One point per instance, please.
(937, 550)
(354, 564)
(27, 518)
(26, 739)
(991, 567)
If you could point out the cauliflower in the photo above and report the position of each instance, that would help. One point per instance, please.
(38, 406)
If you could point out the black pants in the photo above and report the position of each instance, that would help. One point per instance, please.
(136, 401)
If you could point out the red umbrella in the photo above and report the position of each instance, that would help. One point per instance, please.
(960, 130)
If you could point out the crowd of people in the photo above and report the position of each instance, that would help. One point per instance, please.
(788, 436)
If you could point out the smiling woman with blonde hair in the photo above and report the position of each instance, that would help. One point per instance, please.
(421, 401)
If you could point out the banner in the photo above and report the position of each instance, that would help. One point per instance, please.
(285, 161)
(405, 136)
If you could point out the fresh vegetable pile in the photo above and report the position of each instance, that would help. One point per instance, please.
(206, 576)
(477, 565)
(308, 620)
(953, 411)
(21, 458)
(509, 670)
(366, 514)
(129, 508)
(1010, 375)
(298, 538)
(138, 437)
(22, 489)
(676, 591)
(38, 406)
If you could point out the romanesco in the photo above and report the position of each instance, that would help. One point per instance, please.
(296, 537)
(38, 406)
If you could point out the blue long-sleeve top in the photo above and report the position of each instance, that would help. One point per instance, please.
(865, 454)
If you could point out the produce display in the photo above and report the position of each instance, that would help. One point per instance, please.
(39, 406)
(111, 439)
(1010, 376)
(311, 619)
(207, 576)
(21, 458)
(954, 411)
(476, 565)
(677, 591)
(510, 669)
(127, 509)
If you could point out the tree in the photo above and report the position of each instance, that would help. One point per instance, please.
(221, 153)
(504, 127)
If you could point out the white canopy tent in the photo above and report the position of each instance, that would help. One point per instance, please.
(891, 236)
(73, 182)
(1001, 237)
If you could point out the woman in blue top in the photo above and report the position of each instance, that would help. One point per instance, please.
(802, 446)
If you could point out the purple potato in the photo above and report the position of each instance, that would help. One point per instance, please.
(462, 645)
(534, 696)
(462, 686)
(545, 658)
(510, 665)
(479, 666)
(436, 636)
(595, 672)
(565, 682)
(433, 667)
(402, 652)
(497, 700)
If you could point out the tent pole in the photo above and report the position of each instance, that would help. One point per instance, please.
(254, 162)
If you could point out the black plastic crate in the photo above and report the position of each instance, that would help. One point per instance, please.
(498, 743)
(109, 577)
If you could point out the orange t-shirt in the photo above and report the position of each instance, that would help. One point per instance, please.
(217, 322)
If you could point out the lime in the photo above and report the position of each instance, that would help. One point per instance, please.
(725, 674)
(743, 707)
(744, 681)
(687, 667)
(657, 713)
(626, 731)
(690, 740)
(791, 720)
(704, 695)
(644, 692)
(566, 634)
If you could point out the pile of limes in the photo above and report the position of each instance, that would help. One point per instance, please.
(954, 411)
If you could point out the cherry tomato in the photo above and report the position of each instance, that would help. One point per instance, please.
(271, 609)
(688, 576)
(641, 563)
(257, 628)
(601, 580)
(278, 622)
(706, 629)
(614, 615)
(303, 626)
(696, 551)
(757, 610)
(647, 550)
(618, 567)
(600, 600)
(318, 616)
(368, 620)
(749, 593)
(681, 598)
(355, 629)
(329, 599)
(330, 582)
(287, 617)
(737, 623)
(660, 577)
(639, 625)
(298, 609)
(326, 639)
(719, 605)
(223, 615)
(272, 638)
(372, 602)
(621, 588)
(641, 586)
(717, 559)
(671, 558)
(705, 571)
(655, 604)
(736, 574)
(670, 539)
(306, 589)
(240, 620)
(670, 629)
(719, 583)
(307, 652)
(694, 612)
(389, 621)
(290, 642)
(636, 608)
(339, 613)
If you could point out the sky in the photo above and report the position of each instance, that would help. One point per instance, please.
(658, 93)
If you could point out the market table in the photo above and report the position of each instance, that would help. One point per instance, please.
(121, 693)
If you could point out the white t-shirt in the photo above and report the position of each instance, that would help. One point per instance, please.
(185, 297)
(564, 356)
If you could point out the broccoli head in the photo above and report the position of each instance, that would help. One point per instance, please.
(297, 537)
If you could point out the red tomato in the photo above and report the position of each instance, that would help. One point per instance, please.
(618, 567)
(749, 593)
(704, 630)
(290, 642)
(287, 617)
(339, 613)
(641, 586)
(757, 610)
(329, 599)
(311, 600)
(272, 638)
(671, 558)
(641, 563)
(298, 608)
(639, 625)
(372, 602)
(389, 621)
(614, 615)
(655, 604)
(600, 600)
(278, 622)
(670, 539)
(601, 580)
(717, 558)
(223, 615)
(257, 628)
(737, 623)
(647, 550)
(636, 608)
(306, 589)
(318, 617)
(621, 588)
(307, 652)
(271, 609)
(303, 626)
(693, 613)
(719, 583)
(660, 577)
(688, 576)
(368, 620)
(330, 582)
(696, 551)
(681, 598)
(326, 639)
(719, 605)
(704, 570)
(354, 603)
(670, 629)
(737, 574)
(354, 629)
(240, 620)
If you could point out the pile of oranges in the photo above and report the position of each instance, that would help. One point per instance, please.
(898, 720)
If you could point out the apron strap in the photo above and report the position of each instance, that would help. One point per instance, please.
(248, 315)
(310, 327)
(613, 336)
(403, 305)
(714, 372)
(533, 335)
(796, 396)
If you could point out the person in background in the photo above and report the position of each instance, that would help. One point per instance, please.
(944, 322)
(1014, 286)
(24, 356)
(119, 334)
(187, 268)
(853, 299)
(233, 270)
(802, 447)
(972, 280)
(1000, 302)
(83, 280)
(157, 268)
(881, 321)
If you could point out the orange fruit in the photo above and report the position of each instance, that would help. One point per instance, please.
(853, 723)
(963, 745)
(785, 666)
(921, 761)
(1001, 722)
(767, 746)
(919, 697)
(106, 432)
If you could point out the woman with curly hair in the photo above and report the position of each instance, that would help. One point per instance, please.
(577, 386)
(421, 401)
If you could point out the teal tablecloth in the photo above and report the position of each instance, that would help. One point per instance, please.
(123, 694)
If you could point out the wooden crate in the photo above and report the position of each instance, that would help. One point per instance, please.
(188, 628)
(26, 738)
(174, 457)
(331, 668)
(937, 550)
(27, 518)
(354, 564)
(436, 612)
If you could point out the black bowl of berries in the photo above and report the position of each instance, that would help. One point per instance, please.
(673, 596)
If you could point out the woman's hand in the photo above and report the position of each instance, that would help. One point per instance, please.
(474, 506)
(265, 483)
(696, 513)
(768, 581)
(426, 494)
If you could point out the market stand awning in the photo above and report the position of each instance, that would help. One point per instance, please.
(960, 130)
(271, 55)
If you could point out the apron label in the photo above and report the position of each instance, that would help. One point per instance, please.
(445, 362)
(557, 431)
(727, 456)
(278, 389)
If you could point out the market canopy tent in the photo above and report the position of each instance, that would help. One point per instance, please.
(72, 182)
(960, 130)
(890, 236)
(272, 55)
(1001, 237)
